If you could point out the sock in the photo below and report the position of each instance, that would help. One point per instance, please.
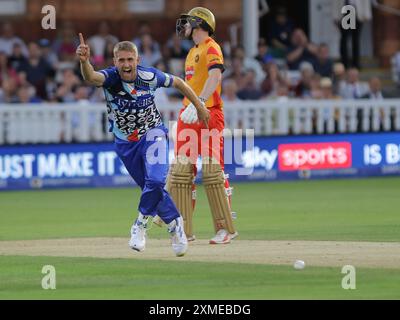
(142, 220)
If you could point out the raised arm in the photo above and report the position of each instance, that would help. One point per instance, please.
(295, 54)
(87, 70)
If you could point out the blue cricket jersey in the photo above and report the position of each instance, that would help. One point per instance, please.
(130, 105)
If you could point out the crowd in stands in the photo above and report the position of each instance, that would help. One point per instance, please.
(287, 65)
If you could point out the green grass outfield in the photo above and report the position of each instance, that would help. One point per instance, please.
(87, 278)
(340, 210)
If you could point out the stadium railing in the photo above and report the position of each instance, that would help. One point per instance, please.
(58, 123)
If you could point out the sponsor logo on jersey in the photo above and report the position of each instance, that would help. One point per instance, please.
(124, 104)
(142, 93)
(189, 73)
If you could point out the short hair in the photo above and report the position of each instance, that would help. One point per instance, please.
(125, 46)
(306, 66)
(326, 83)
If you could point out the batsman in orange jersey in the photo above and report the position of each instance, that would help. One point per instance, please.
(203, 73)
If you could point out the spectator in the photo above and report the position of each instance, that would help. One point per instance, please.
(324, 64)
(273, 80)
(303, 88)
(98, 43)
(249, 63)
(48, 54)
(27, 94)
(396, 67)
(82, 94)
(66, 43)
(22, 79)
(229, 91)
(236, 72)
(6, 71)
(282, 92)
(364, 13)
(230, 95)
(242, 75)
(250, 89)
(315, 87)
(145, 29)
(37, 70)
(177, 48)
(16, 59)
(8, 90)
(264, 54)
(68, 82)
(301, 50)
(174, 65)
(327, 93)
(327, 113)
(108, 53)
(161, 65)
(8, 40)
(339, 77)
(375, 90)
(353, 88)
(148, 51)
(227, 49)
(376, 93)
(280, 31)
(165, 62)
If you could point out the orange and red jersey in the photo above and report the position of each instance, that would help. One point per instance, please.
(202, 58)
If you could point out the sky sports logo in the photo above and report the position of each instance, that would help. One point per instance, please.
(314, 156)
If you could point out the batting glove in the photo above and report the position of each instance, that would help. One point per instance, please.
(189, 115)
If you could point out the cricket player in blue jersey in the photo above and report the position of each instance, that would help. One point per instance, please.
(140, 136)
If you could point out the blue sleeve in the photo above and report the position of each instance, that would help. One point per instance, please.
(164, 80)
(111, 75)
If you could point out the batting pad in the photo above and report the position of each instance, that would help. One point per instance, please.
(214, 183)
(180, 188)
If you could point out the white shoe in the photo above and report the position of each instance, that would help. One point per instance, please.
(160, 223)
(178, 238)
(223, 237)
(138, 233)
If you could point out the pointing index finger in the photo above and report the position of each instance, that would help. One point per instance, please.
(81, 39)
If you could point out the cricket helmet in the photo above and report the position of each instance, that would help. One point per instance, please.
(198, 17)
